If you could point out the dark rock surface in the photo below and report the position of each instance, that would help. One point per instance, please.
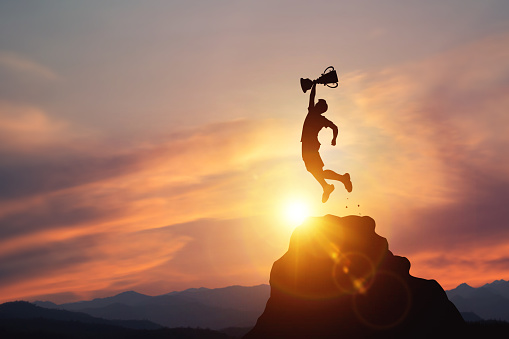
(339, 280)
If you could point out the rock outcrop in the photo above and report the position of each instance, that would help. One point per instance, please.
(338, 279)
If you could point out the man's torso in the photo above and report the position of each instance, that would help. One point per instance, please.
(313, 123)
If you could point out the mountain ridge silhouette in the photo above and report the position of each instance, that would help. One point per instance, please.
(462, 289)
(232, 306)
(489, 301)
(26, 310)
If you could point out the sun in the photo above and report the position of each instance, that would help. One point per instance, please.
(296, 212)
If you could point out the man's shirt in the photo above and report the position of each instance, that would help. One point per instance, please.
(312, 125)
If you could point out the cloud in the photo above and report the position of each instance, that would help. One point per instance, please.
(25, 128)
(441, 156)
(25, 66)
(72, 185)
(181, 157)
(216, 252)
(44, 267)
(72, 216)
(59, 212)
(84, 263)
(227, 246)
(208, 252)
(480, 264)
(425, 143)
(89, 187)
(43, 258)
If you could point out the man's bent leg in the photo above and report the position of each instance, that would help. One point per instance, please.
(328, 174)
(318, 175)
(327, 189)
(345, 179)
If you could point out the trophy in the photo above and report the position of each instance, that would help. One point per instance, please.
(327, 78)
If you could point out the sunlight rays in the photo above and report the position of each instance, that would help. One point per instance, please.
(295, 212)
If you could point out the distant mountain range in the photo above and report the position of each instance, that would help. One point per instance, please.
(489, 302)
(237, 307)
(26, 310)
(23, 320)
(234, 306)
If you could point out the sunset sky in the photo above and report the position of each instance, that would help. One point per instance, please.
(155, 145)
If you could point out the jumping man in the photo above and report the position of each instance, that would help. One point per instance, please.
(314, 122)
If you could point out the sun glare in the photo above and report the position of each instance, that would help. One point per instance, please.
(296, 212)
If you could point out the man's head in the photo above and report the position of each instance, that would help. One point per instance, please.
(321, 106)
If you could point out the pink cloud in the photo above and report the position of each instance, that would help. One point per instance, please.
(26, 128)
(23, 65)
(441, 156)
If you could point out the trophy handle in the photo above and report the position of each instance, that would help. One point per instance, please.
(327, 69)
(329, 79)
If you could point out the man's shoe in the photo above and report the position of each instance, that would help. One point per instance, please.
(347, 182)
(326, 192)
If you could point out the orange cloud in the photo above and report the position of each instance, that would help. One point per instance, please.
(91, 217)
(433, 140)
(77, 225)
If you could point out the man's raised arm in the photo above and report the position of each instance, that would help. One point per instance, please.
(312, 96)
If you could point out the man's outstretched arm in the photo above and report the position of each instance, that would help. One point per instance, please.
(312, 96)
(334, 134)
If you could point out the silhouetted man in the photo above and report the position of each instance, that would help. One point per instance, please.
(314, 122)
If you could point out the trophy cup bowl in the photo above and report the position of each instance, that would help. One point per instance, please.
(329, 79)
(306, 84)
